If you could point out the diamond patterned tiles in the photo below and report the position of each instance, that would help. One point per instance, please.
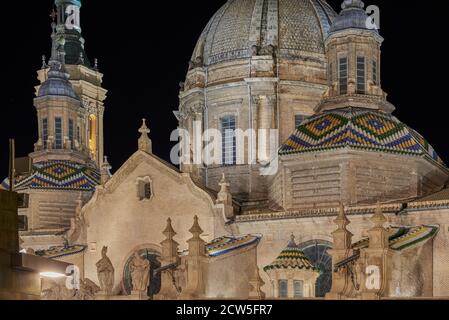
(357, 128)
(59, 175)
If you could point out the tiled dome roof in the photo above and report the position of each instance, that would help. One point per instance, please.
(294, 25)
(59, 175)
(291, 258)
(357, 128)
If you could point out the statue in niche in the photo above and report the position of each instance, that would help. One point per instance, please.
(105, 271)
(140, 273)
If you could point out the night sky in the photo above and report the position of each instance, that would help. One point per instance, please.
(144, 47)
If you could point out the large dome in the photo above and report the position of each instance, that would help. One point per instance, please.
(289, 26)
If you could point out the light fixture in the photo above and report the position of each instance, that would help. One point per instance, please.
(52, 275)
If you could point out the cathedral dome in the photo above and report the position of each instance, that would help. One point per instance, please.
(242, 26)
(360, 129)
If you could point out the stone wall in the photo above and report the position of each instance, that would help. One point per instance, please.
(118, 219)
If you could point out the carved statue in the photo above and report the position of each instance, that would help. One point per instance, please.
(57, 290)
(88, 290)
(105, 271)
(140, 273)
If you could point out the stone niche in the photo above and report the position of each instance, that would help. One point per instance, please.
(353, 177)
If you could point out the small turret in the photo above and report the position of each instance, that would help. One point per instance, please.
(353, 50)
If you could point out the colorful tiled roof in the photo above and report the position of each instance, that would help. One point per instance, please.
(58, 175)
(225, 245)
(59, 252)
(405, 237)
(357, 128)
(291, 258)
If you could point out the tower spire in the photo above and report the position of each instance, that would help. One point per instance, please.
(68, 22)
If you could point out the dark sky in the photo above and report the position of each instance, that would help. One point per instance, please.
(144, 48)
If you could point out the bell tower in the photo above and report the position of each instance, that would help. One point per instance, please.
(85, 79)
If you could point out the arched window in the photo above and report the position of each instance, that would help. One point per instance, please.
(229, 145)
(93, 136)
(155, 279)
(316, 252)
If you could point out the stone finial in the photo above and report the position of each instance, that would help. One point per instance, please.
(197, 246)
(169, 246)
(342, 220)
(196, 230)
(105, 171)
(169, 232)
(342, 236)
(44, 62)
(379, 219)
(292, 243)
(96, 64)
(224, 196)
(81, 58)
(352, 4)
(378, 234)
(145, 143)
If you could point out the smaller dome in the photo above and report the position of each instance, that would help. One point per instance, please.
(57, 87)
(358, 128)
(57, 83)
(292, 258)
(353, 16)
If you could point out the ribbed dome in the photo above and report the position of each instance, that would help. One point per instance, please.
(289, 26)
(57, 87)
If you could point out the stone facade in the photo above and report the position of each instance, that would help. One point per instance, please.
(359, 190)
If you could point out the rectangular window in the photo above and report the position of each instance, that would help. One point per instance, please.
(72, 133)
(23, 223)
(375, 72)
(283, 289)
(45, 131)
(58, 133)
(78, 134)
(361, 75)
(331, 73)
(229, 148)
(343, 67)
(299, 289)
(299, 118)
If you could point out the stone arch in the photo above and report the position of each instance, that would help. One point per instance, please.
(151, 252)
(317, 252)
